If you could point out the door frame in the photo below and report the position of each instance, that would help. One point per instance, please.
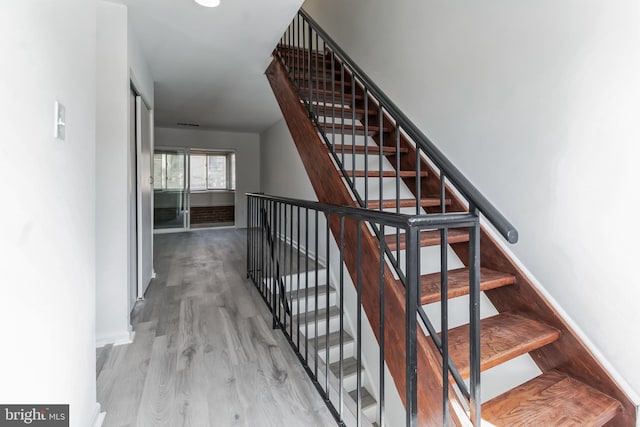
(139, 250)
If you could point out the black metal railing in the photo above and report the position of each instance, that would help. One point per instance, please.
(294, 262)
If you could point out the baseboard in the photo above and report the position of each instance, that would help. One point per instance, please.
(98, 417)
(118, 339)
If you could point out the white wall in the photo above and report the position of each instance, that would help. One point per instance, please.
(47, 291)
(115, 64)
(538, 104)
(247, 151)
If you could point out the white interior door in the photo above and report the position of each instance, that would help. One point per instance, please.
(145, 195)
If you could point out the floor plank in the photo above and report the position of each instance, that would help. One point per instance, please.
(204, 353)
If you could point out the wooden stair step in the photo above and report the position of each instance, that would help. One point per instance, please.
(334, 340)
(323, 82)
(385, 174)
(311, 292)
(338, 110)
(552, 399)
(349, 368)
(302, 74)
(334, 311)
(371, 150)
(502, 337)
(406, 203)
(428, 238)
(328, 95)
(349, 129)
(367, 399)
(459, 283)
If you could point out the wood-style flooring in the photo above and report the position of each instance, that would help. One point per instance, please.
(204, 353)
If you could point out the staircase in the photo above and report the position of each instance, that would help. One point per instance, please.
(324, 331)
(346, 132)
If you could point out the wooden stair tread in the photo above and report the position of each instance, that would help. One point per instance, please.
(311, 292)
(385, 174)
(428, 238)
(349, 367)
(502, 337)
(406, 203)
(334, 340)
(348, 129)
(371, 150)
(552, 399)
(459, 283)
(334, 311)
(329, 94)
(337, 110)
(366, 398)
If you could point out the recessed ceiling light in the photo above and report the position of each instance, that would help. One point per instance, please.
(208, 3)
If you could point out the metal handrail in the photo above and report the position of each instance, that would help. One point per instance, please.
(459, 181)
(270, 225)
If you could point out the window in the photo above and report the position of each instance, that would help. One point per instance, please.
(168, 171)
(213, 171)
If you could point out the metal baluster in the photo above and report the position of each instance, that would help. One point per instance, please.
(353, 127)
(443, 200)
(306, 287)
(474, 310)
(444, 322)
(381, 333)
(366, 148)
(315, 366)
(358, 327)
(380, 154)
(342, 105)
(291, 270)
(327, 319)
(398, 190)
(418, 180)
(298, 287)
(411, 293)
(341, 359)
(310, 49)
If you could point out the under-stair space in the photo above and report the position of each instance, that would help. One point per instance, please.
(535, 369)
(319, 328)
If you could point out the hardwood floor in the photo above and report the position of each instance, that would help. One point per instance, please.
(204, 353)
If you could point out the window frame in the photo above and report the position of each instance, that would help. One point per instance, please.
(230, 180)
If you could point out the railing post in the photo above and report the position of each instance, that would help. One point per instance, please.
(474, 314)
(309, 82)
(411, 293)
(274, 290)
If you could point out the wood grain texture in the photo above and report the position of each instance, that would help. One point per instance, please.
(329, 188)
(458, 283)
(385, 174)
(552, 399)
(427, 238)
(361, 149)
(205, 354)
(406, 203)
(502, 338)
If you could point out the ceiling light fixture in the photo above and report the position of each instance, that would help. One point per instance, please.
(208, 3)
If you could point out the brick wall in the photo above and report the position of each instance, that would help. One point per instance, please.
(212, 214)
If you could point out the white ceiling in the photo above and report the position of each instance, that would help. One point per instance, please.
(208, 63)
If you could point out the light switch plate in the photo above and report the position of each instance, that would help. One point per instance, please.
(60, 124)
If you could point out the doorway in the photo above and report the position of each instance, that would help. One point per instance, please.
(193, 189)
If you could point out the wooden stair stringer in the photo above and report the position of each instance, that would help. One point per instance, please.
(569, 354)
(329, 188)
